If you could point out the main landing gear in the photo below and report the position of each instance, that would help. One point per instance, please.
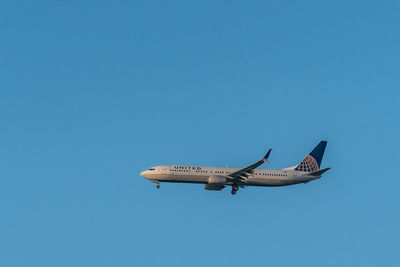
(235, 188)
(158, 186)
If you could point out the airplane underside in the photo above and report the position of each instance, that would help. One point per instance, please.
(235, 187)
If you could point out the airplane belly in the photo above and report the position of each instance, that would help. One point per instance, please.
(268, 182)
(182, 178)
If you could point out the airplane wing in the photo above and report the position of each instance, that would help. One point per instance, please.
(242, 174)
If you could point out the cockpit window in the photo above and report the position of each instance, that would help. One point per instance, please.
(152, 169)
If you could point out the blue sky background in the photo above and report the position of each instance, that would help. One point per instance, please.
(94, 92)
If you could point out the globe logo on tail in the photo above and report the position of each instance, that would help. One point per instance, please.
(309, 164)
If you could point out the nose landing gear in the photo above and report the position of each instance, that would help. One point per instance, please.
(156, 182)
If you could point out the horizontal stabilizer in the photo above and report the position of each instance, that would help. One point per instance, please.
(319, 172)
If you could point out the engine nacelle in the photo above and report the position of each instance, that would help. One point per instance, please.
(216, 187)
(217, 180)
(215, 183)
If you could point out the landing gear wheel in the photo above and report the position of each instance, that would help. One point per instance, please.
(158, 186)
(235, 188)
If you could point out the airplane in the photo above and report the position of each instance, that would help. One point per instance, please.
(217, 178)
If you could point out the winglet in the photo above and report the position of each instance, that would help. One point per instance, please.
(265, 159)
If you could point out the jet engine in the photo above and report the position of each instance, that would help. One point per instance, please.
(215, 183)
(217, 187)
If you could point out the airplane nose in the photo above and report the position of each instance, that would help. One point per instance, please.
(143, 174)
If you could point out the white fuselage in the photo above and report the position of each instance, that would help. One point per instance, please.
(201, 174)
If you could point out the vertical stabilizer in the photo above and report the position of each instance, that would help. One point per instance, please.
(312, 161)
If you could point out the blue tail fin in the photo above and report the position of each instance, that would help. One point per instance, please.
(312, 161)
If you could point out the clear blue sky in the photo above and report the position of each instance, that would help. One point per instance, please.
(94, 92)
